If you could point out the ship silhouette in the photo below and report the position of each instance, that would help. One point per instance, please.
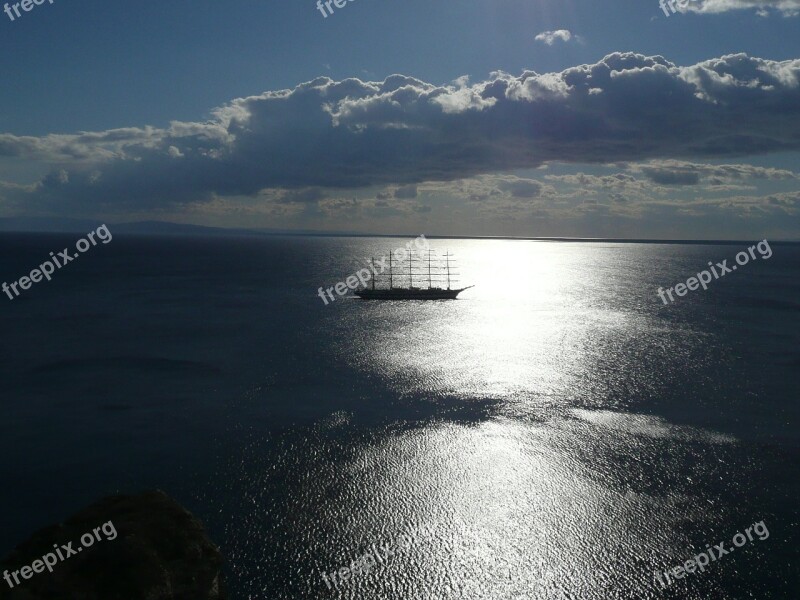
(436, 273)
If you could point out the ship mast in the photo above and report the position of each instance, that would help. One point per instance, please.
(410, 278)
(373, 273)
(429, 269)
(448, 270)
(390, 269)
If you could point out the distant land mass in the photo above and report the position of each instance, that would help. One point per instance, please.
(65, 225)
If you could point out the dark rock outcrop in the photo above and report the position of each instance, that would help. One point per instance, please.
(160, 552)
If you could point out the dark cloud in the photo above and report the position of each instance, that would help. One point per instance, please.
(403, 131)
(671, 177)
(522, 188)
(673, 172)
(406, 191)
(302, 196)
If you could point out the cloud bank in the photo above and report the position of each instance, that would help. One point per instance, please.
(403, 131)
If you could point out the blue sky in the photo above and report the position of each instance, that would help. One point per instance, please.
(422, 154)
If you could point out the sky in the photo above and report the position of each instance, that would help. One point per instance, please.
(539, 118)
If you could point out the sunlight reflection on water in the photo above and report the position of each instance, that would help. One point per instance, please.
(519, 507)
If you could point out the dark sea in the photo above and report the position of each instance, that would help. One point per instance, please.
(556, 432)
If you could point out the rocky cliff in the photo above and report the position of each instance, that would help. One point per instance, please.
(142, 547)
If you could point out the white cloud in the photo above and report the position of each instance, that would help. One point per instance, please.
(787, 8)
(551, 37)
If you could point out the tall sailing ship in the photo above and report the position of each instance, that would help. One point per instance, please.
(436, 275)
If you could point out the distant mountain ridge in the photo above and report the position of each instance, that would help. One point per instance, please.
(63, 225)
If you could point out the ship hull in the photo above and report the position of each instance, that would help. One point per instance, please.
(408, 294)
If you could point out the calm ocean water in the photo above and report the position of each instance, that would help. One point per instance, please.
(558, 430)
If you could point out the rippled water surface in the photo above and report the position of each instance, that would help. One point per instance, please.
(557, 432)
